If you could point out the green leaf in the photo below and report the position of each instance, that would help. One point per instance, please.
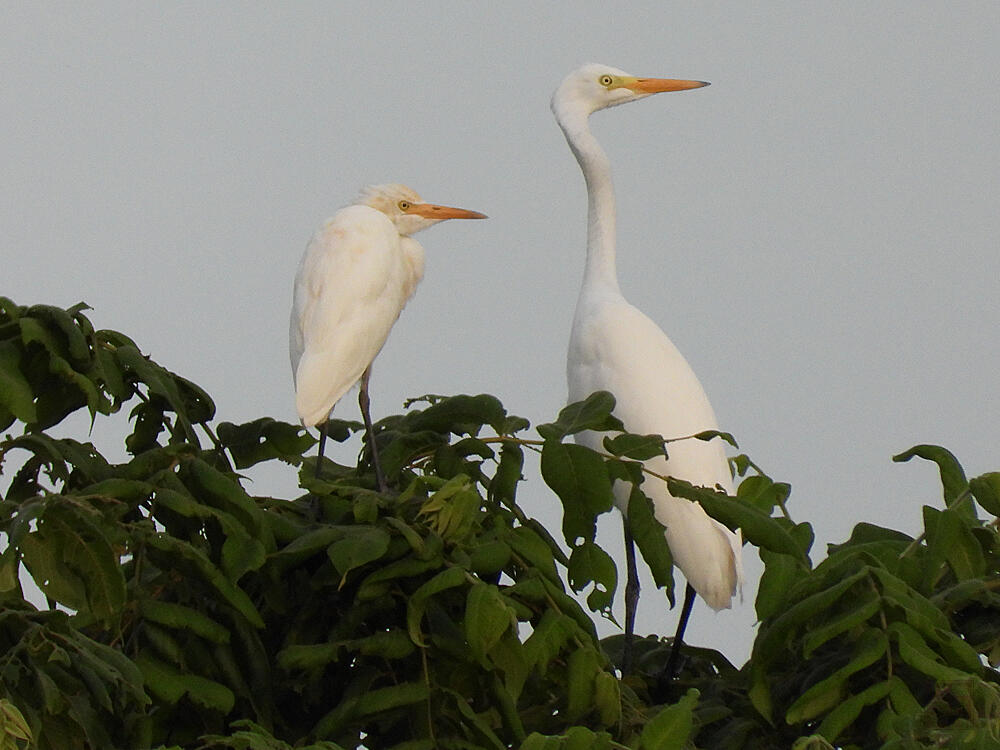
(844, 714)
(264, 439)
(111, 375)
(593, 413)
(503, 486)
(403, 447)
(241, 554)
(866, 533)
(589, 563)
(417, 604)
(952, 475)
(376, 583)
(858, 612)
(63, 456)
(9, 569)
(578, 477)
(388, 644)
(508, 655)
(490, 558)
(454, 509)
(13, 725)
(582, 738)
(149, 423)
(365, 508)
(362, 546)
(608, 698)
(384, 699)
(461, 415)
(949, 538)
(583, 667)
(73, 562)
(529, 545)
(77, 349)
(772, 638)
(780, 573)
(914, 651)
(15, 391)
(177, 616)
(762, 493)
(483, 728)
(536, 741)
(671, 728)
(758, 528)
(901, 697)
(557, 597)
(183, 555)
(548, 639)
(170, 684)
(637, 447)
(707, 435)
(909, 600)
(412, 537)
(487, 618)
(308, 656)
(954, 598)
(305, 546)
(222, 491)
(163, 643)
(828, 692)
(986, 489)
(164, 384)
(9, 310)
(648, 535)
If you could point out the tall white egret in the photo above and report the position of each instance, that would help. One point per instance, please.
(615, 347)
(356, 275)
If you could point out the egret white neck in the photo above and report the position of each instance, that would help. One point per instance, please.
(600, 272)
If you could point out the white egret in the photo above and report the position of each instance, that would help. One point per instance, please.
(356, 275)
(615, 347)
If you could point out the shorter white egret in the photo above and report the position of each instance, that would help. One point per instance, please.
(356, 275)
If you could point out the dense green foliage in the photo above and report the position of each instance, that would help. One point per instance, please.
(185, 612)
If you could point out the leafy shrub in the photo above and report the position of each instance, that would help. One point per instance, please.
(185, 612)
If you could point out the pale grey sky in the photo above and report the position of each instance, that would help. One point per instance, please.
(817, 231)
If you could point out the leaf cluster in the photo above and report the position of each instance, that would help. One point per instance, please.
(891, 641)
(436, 615)
(182, 611)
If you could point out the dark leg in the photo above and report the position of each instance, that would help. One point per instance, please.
(631, 599)
(322, 445)
(365, 403)
(670, 672)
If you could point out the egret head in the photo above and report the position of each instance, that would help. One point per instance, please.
(407, 211)
(594, 86)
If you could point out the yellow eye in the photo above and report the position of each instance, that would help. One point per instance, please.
(606, 80)
(404, 205)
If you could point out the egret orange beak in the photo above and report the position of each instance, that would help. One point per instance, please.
(657, 85)
(431, 211)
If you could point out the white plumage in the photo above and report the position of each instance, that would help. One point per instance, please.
(357, 273)
(615, 347)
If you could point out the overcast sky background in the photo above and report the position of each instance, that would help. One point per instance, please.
(817, 231)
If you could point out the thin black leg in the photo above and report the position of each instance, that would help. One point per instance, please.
(322, 446)
(670, 672)
(365, 403)
(631, 598)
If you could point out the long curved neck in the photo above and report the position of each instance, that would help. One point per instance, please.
(600, 273)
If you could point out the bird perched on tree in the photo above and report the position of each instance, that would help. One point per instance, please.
(615, 347)
(356, 275)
